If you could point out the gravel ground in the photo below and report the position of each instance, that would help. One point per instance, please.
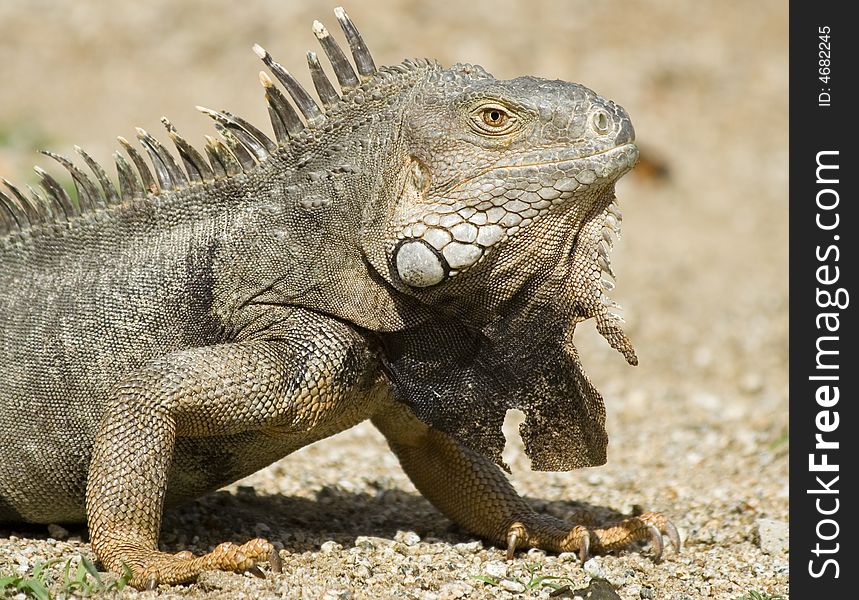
(698, 430)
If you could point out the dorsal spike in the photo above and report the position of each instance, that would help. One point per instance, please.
(284, 119)
(197, 167)
(88, 195)
(129, 184)
(259, 135)
(342, 69)
(363, 60)
(33, 212)
(244, 157)
(248, 140)
(169, 174)
(223, 161)
(142, 168)
(161, 173)
(214, 159)
(56, 193)
(42, 205)
(12, 214)
(326, 92)
(110, 194)
(299, 95)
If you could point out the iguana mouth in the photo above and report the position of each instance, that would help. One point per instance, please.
(614, 167)
(454, 232)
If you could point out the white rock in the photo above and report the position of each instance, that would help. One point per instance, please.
(496, 568)
(456, 589)
(469, 547)
(408, 538)
(594, 568)
(772, 536)
(330, 547)
(513, 586)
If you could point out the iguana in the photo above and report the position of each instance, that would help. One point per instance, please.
(415, 249)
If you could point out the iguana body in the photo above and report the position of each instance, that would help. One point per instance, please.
(416, 253)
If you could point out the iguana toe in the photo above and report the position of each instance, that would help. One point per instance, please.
(647, 526)
(545, 533)
(160, 568)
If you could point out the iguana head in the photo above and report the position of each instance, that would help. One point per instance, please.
(489, 159)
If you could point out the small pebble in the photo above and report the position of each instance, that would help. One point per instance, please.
(469, 547)
(512, 586)
(496, 568)
(772, 536)
(594, 568)
(409, 538)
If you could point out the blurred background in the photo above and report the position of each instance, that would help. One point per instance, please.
(699, 429)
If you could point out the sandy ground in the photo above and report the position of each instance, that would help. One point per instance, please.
(698, 430)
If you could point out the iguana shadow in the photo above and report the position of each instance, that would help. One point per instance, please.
(303, 524)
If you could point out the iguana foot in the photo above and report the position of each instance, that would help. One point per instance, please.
(584, 540)
(151, 568)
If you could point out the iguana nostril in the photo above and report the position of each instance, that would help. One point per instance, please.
(600, 122)
(418, 264)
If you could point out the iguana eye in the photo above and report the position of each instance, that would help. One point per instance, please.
(493, 120)
(494, 117)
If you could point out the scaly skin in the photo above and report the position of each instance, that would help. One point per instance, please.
(417, 253)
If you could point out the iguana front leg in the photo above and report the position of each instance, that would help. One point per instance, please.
(474, 492)
(299, 382)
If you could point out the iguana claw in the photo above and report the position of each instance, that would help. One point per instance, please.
(659, 526)
(656, 542)
(275, 561)
(515, 533)
(584, 546)
(673, 536)
(256, 572)
(583, 538)
(151, 583)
